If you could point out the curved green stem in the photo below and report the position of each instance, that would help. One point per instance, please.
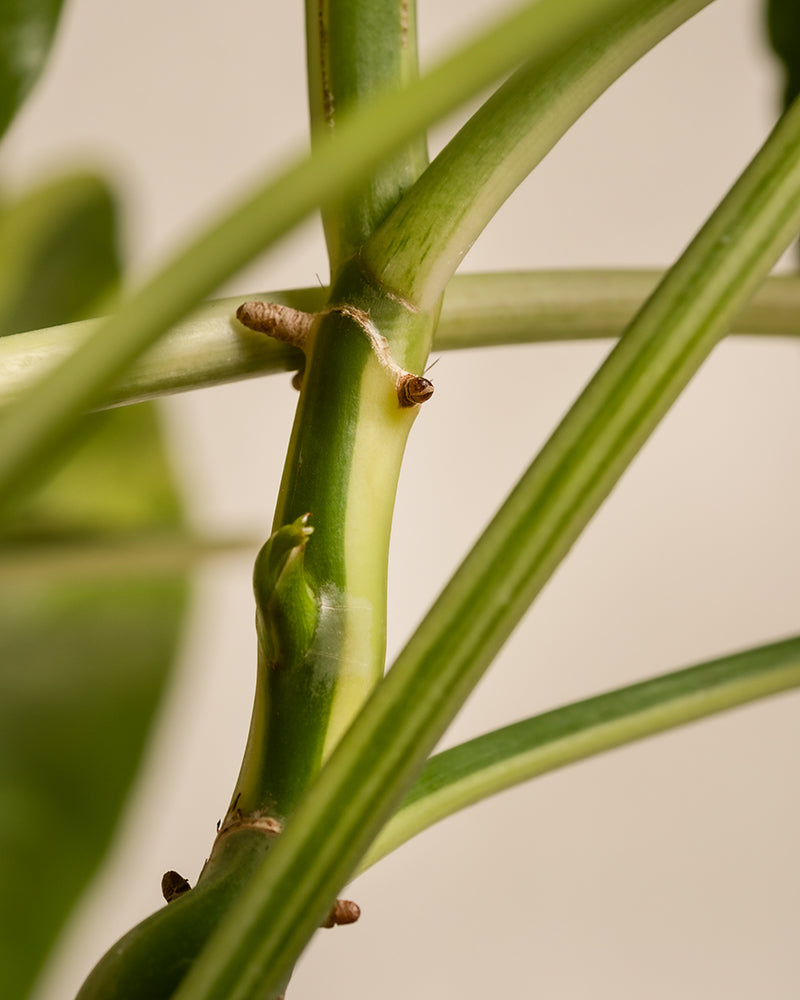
(386, 746)
(473, 771)
(417, 250)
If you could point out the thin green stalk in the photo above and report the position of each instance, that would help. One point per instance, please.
(39, 425)
(418, 248)
(479, 310)
(473, 771)
(356, 50)
(385, 748)
(208, 348)
(490, 310)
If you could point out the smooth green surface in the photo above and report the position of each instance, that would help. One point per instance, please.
(36, 429)
(469, 773)
(418, 248)
(479, 310)
(56, 251)
(26, 31)
(82, 667)
(356, 51)
(150, 960)
(386, 746)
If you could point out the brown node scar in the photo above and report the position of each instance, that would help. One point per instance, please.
(173, 885)
(293, 327)
(235, 820)
(344, 911)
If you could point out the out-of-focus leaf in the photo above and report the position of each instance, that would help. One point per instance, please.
(118, 481)
(26, 31)
(783, 22)
(81, 671)
(57, 253)
(83, 660)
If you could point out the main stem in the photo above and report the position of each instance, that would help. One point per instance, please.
(320, 579)
(340, 476)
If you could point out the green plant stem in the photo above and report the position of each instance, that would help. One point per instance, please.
(38, 427)
(418, 248)
(328, 553)
(479, 310)
(342, 469)
(468, 773)
(386, 746)
(357, 50)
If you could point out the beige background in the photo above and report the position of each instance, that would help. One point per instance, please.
(669, 869)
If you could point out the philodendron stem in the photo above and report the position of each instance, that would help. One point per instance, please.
(484, 766)
(326, 563)
(332, 529)
(355, 51)
(479, 310)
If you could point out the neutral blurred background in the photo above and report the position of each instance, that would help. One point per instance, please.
(665, 869)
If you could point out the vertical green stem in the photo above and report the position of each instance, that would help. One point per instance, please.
(358, 49)
(339, 483)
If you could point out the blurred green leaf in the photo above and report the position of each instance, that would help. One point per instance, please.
(26, 31)
(57, 253)
(83, 661)
(118, 481)
(81, 671)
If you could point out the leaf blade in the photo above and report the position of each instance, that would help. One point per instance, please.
(26, 32)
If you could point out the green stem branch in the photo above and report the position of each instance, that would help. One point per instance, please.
(479, 310)
(418, 248)
(473, 771)
(357, 50)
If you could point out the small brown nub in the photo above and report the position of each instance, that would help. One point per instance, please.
(281, 322)
(344, 912)
(173, 885)
(414, 389)
(261, 316)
